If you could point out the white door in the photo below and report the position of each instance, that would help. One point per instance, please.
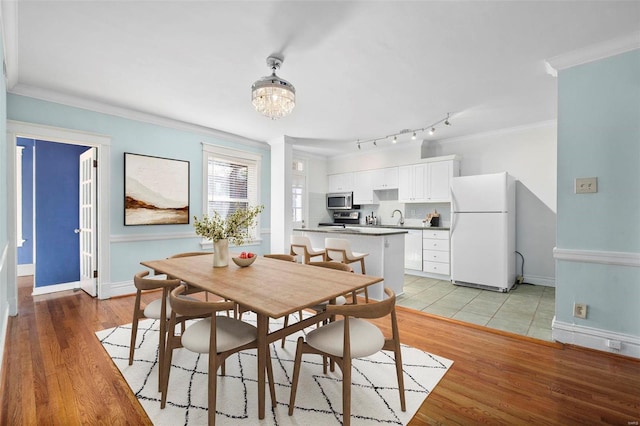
(87, 230)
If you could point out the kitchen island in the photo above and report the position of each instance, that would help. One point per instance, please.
(385, 248)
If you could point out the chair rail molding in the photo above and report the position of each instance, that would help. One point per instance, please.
(595, 256)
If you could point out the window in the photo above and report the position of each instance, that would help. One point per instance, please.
(298, 188)
(230, 181)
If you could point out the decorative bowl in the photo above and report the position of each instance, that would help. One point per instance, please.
(244, 262)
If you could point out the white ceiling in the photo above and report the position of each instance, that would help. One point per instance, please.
(361, 69)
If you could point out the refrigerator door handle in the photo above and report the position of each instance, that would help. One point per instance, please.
(453, 214)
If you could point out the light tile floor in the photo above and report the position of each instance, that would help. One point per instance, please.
(527, 310)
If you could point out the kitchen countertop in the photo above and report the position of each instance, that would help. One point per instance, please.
(406, 227)
(356, 230)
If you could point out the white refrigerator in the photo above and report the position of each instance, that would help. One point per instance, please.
(483, 237)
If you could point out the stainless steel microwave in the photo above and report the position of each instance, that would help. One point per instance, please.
(340, 201)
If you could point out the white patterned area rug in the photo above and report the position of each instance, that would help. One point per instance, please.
(374, 392)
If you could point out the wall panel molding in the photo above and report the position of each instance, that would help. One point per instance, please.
(601, 257)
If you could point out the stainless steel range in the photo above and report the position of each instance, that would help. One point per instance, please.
(344, 218)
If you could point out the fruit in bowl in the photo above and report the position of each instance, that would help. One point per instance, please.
(245, 259)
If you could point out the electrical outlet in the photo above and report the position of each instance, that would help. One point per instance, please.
(586, 185)
(520, 279)
(580, 310)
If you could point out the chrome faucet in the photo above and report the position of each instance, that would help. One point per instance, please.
(401, 217)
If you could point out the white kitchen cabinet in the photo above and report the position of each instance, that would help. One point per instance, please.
(439, 176)
(412, 183)
(341, 182)
(385, 178)
(427, 182)
(363, 188)
(413, 250)
(435, 252)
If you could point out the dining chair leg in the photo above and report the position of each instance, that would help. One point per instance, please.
(213, 382)
(346, 391)
(286, 324)
(296, 375)
(165, 373)
(272, 385)
(364, 271)
(134, 327)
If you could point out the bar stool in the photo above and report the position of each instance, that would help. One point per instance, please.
(301, 246)
(339, 249)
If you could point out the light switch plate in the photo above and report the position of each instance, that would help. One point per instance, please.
(586, 185)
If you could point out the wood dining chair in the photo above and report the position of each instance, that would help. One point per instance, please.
(159, 309)
(190, 254)
(340, 300)
(339, 249)
(301, 246)
(218, 336)
(349, 338)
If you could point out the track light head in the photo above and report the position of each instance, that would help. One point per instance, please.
(432, 131)
(413, 136)
(375, 143)
(447, 123)
(395, 139)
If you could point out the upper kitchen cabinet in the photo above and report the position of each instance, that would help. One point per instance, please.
(427, 182)
(385, 178)
(363, 188)
(439, 174)
(341, 182)
(412, 183)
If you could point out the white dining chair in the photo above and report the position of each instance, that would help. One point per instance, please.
(339, 250)
(349, 338)
(301, 246)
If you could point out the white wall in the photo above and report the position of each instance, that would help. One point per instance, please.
(527, 153)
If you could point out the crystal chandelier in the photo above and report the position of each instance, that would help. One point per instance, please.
(273, 96)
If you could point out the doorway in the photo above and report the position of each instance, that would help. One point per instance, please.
(74, 138)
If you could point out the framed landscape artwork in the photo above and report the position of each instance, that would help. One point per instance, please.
(156, 190)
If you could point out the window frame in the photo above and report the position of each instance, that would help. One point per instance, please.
(240, 157)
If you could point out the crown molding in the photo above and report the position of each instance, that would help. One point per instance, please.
(104, 108)
(592, 53)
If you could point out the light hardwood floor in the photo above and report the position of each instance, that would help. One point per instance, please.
(56, 372)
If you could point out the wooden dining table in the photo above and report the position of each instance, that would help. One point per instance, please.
(269, 287)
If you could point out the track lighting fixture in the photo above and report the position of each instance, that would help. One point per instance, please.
(414, 132)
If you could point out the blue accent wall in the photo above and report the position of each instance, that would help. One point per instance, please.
(599, 136)
(57, 212)
(25, 253)
(138, 137)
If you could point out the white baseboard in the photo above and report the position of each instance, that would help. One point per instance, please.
(26, 270)
(120, 289)
(538, 280)
(594, 338)
(37, 291)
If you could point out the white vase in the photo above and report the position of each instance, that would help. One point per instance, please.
(221, 253)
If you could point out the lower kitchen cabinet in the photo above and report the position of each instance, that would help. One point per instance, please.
(435, 253)
(413, 250)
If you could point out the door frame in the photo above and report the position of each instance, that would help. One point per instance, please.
(17, 129)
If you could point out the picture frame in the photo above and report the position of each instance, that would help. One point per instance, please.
(156, 190)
